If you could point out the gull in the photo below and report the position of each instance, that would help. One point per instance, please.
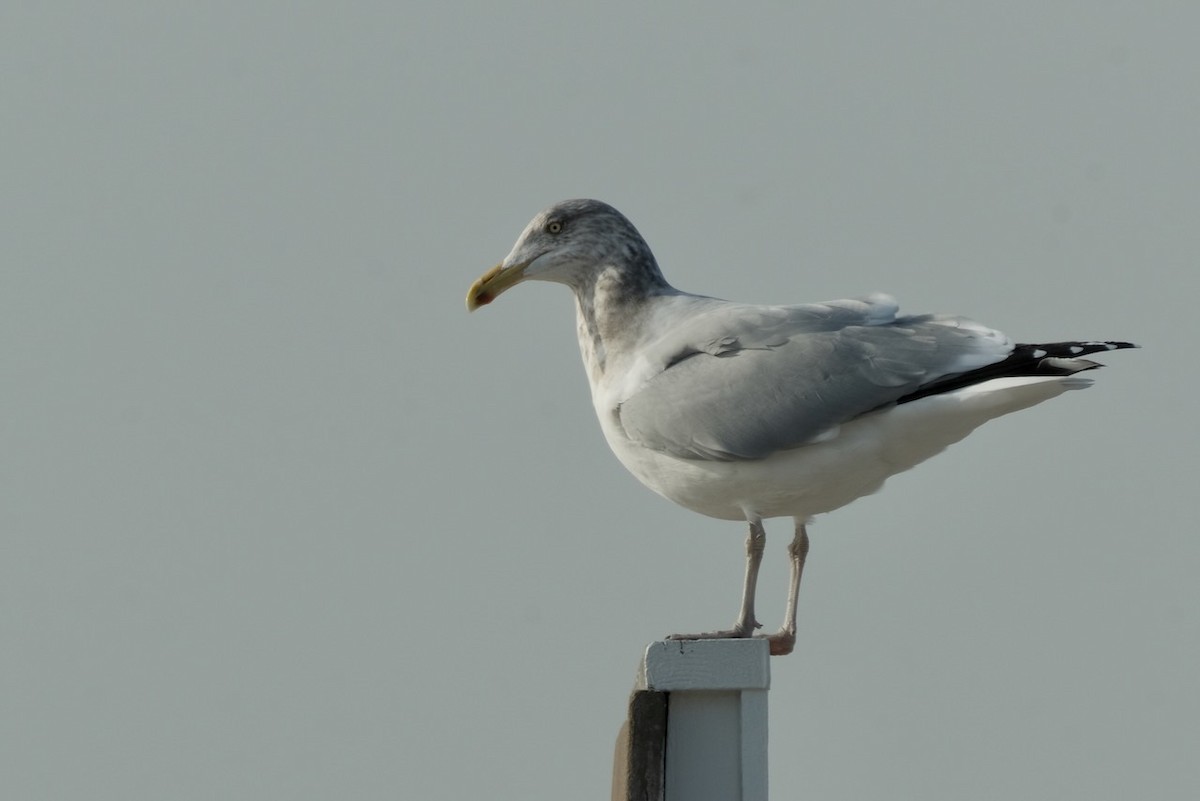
(746, 412)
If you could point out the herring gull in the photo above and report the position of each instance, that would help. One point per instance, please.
(745, 412)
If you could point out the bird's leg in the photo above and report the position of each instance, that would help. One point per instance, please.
(783, 641)
(756, 543)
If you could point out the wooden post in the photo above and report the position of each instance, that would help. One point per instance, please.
(697, 725)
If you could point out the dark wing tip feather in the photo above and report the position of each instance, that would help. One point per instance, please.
(1043, 359)
(1071, 350)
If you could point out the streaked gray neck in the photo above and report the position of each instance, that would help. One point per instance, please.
(610, 307)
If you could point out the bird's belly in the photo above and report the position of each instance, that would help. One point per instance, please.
(823, 476)
(800, 482)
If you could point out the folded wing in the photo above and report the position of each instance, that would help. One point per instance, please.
(742, 382)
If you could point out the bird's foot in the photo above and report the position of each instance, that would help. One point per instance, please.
(736, 633)
(781, 642)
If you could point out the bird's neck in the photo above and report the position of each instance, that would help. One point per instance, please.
(610, 312)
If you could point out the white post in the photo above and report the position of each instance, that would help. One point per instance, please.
(716, 717)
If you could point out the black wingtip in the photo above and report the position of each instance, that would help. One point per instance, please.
(1043, 359)
(1067, 350)
(1107, 345)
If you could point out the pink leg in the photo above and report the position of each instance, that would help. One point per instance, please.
(746, 624)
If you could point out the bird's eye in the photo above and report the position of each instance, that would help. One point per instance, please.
(554, 226)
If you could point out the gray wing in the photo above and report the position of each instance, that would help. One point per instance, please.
(738, 389)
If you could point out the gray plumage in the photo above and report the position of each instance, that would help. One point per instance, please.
(794, 379)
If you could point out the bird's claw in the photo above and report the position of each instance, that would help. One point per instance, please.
(735, 633)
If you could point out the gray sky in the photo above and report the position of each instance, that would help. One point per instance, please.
(280, 520)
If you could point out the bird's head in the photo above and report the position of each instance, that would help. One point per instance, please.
(568, 243)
